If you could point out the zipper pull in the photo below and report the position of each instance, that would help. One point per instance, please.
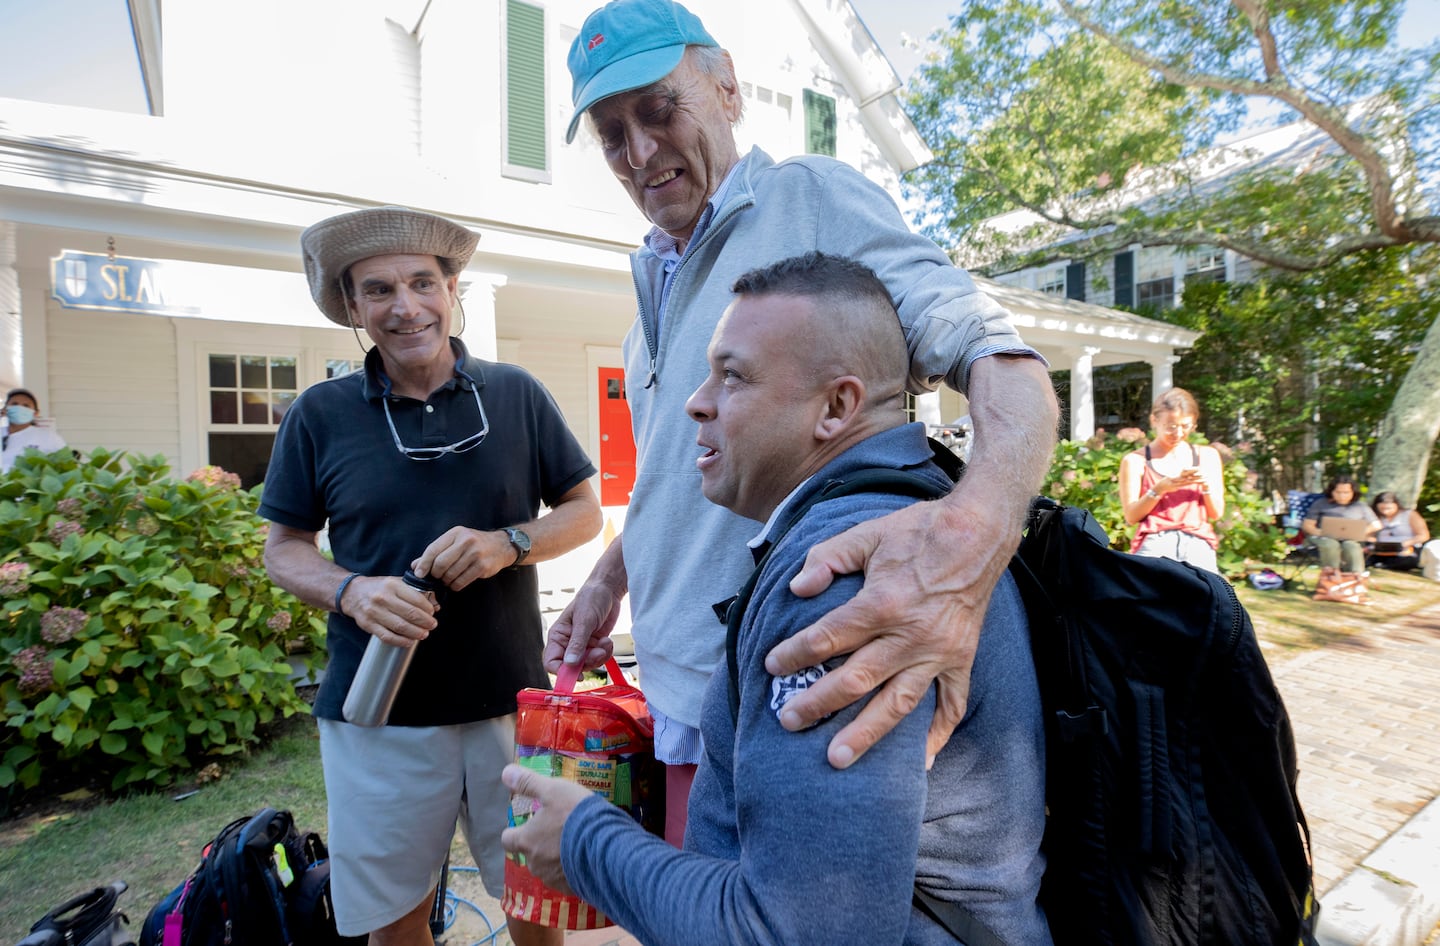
(651, 382)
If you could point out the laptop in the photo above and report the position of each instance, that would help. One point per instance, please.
(1344, 530)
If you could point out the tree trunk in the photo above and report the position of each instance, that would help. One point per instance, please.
(1411, 425)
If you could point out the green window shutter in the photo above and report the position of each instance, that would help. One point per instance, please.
(819, 123)
(525, 85)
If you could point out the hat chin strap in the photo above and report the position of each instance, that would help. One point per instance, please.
(354, 326)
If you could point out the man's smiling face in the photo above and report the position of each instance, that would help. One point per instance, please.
(403, 303)
(671, 143)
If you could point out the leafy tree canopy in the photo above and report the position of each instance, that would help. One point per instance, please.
(1101, 117)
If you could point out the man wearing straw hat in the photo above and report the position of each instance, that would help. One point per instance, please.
(661, 97)
(435, 461)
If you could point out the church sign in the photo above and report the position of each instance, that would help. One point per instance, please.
(113, 283)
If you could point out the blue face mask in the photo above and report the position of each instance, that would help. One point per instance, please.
(19, 415)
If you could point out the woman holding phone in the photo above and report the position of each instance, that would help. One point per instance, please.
(1172, 488)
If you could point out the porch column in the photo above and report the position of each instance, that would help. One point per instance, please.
(1082, 393)
(477, 298)
(12, 349)
(1162, 374)
(927, 408)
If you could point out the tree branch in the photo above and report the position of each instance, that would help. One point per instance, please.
(1259, 19)
(1328, 119)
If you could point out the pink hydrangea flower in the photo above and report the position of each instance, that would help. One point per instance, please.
(63, 528)
(59, 625)
(215, 476)
(14, 578)
(36, 672)
(279, 622)
(1130, 435)
(69, 506)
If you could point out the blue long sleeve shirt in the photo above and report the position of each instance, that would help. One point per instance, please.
(783, 849)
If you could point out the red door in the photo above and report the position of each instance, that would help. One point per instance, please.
(617, 440)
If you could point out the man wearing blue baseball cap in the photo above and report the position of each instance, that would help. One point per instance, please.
(661, 96)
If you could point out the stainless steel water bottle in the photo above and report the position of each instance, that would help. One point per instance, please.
(382, 670)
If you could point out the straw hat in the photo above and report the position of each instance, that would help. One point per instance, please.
(332, 246)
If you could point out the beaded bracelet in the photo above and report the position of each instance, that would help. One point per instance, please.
(340, 592)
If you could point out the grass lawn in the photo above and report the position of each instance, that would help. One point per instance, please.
(54, 848)
(62, 847)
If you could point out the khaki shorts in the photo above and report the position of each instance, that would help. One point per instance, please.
(395, 794)
(1182, 547)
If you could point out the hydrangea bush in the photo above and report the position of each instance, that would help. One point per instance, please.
(1086, 473)
(138, 630)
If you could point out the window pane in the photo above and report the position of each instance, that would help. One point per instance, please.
(252, 372)
(1155, 262)
(222, 407)
(1159, 293)
(337, 367)
(283, 400)
(222, 371)
(245, 454)
(256, 409)
(282, 373)
(1051, 282)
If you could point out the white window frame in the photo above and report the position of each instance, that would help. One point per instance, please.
(1050, 280)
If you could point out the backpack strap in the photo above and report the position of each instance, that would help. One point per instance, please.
(1055, 641)
(958, 921)
(880, 480)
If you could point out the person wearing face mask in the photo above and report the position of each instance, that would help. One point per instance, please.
(25, 430)
(1173, 488)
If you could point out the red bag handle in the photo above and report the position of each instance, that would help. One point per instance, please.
(568, 674)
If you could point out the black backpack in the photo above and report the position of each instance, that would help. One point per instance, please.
(1171, 814)
(90, 919)
(260, 883)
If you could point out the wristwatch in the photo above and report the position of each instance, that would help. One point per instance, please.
(521, 541)
(1151, 494)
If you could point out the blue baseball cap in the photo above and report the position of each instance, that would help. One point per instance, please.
(629, 44)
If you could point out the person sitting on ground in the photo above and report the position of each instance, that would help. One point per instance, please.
(26, 431)
(1174, 488)
(1402, 534)
(1340, 502)
(806, 385)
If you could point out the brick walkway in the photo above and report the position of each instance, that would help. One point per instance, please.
(1366, 713)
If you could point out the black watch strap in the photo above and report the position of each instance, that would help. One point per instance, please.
(520, 541)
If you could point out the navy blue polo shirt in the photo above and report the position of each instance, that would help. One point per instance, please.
(335, 460)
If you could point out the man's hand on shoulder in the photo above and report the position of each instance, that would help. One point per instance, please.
(929, 571)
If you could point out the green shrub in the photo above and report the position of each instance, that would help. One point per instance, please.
(138, 630)
(1086, 473)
